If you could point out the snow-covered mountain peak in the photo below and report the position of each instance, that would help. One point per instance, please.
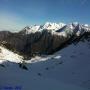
(53, 26)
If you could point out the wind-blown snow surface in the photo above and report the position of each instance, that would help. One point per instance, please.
(68, 69)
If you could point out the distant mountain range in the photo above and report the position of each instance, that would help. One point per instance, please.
(54, 27)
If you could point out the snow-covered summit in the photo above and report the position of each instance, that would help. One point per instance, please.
(53, 26)
(31, 29)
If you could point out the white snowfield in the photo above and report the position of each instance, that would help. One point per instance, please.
(68, 69)
(6, 54)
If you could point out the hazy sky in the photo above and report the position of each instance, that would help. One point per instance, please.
(15, 14)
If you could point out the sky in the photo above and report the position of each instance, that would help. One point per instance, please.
(16, 14)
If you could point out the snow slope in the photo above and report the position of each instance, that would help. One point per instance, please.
(70, 65)
(6, 54)
(68, 69)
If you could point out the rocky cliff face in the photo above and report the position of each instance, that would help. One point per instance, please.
(35, 43)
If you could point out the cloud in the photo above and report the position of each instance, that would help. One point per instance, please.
(9, 21)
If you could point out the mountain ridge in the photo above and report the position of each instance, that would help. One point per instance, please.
(52, 26)
(44, 41)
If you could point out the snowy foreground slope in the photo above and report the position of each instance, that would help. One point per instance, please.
(7, 54)
(68, 69)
